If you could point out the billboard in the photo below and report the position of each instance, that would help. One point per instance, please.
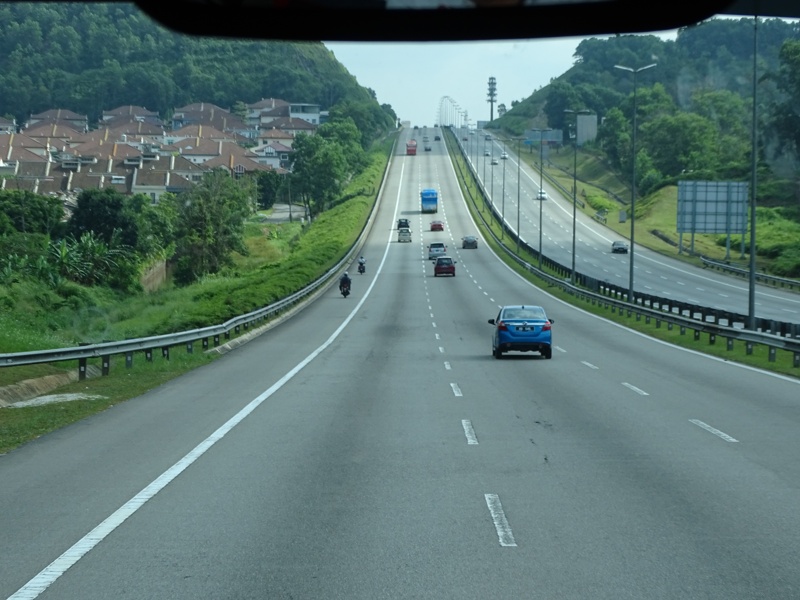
(712, 207)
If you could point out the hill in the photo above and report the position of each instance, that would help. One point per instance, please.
(90, 57)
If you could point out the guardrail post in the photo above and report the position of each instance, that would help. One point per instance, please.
(216, 340)
(712, 338)
(683, 329)
(129, 360)
(189, 347)
(696, 334)
(148, 355)
(772, 352)
(647, 319)
(236, 330)
(228, 335)
(749, 348)
(669, 326)
(205, 343)
(729, 343)
(246, 325)
(638, 316)
(658, 323)
(796, 360)
(106, 365)
(82, 364)
(165, 352)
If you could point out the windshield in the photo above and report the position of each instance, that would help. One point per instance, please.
(192, 406)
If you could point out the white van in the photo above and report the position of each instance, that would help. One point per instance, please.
(403, 234)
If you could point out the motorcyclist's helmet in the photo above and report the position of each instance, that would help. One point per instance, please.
(345, 274)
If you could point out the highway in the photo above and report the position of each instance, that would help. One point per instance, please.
(371, 447)
(653, 273)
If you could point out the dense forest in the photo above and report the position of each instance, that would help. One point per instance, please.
(91, 57)
(694, 108)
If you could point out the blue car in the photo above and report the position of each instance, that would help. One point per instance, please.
(522, 328)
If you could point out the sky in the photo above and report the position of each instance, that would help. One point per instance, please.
(418, 78)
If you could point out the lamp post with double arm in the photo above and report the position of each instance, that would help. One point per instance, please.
(633, 175)
(519, 163)
(541, 188)
(575, 189)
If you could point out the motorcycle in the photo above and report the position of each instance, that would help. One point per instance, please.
(361, 268)
(345, 289)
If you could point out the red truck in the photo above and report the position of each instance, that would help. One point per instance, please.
(411, 147)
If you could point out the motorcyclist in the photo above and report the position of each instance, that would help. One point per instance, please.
(344, 281)
(362, 264)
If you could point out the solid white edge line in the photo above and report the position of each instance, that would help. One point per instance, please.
(47, 576)
(469, 432)
(500, 522)
(710, 429)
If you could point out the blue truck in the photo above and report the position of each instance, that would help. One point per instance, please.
(429, 201)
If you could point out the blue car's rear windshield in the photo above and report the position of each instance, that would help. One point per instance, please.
(533, 312)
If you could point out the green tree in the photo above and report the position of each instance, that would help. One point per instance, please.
(270, 186)
(104, 212)
(562, 96)
(319, 169)
(614, 137)
(31, 213)
(156, 224)
(210, 224)
(785, 113)
(346, 135)
(368, 117)
(681, 142)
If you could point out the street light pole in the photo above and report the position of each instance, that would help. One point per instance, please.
(504, 181)
(484, 163)
(541, 187)
(575, 190)
(633, 181)
(574, 200)
(519, 162)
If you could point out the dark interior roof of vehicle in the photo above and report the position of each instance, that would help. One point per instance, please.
(379, 20)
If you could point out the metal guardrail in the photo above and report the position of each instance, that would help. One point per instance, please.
(781, 282)
(775, 335)
(106, 350)
(164, 342)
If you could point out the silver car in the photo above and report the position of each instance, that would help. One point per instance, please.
(436, 249)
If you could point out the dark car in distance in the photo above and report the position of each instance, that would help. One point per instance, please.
(403, 224)
(619, 248)
(469, 241)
